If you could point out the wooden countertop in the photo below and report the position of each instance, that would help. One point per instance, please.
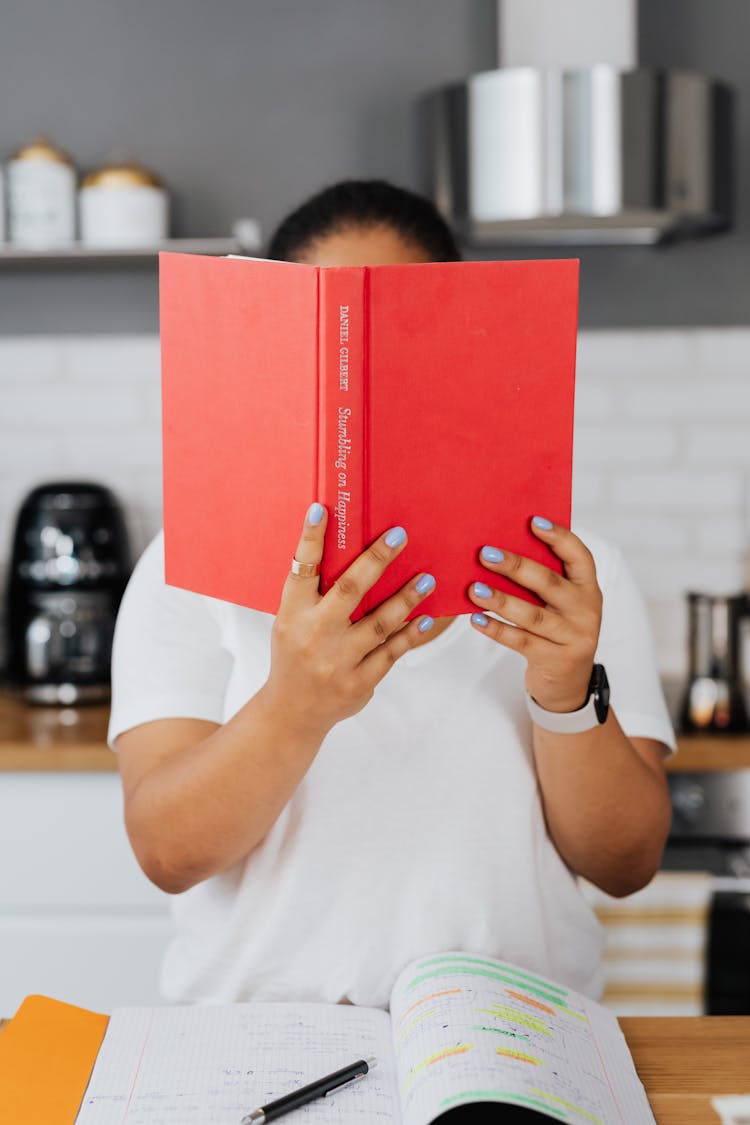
(70, 739)
(684, 1062)
(699, 752)
(53, 738)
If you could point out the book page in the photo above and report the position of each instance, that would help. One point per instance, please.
(212, 1064)
(473, 1029)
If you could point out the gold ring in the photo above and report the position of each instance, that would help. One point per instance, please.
(305, 570)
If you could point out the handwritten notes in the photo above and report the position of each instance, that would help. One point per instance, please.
(211, 1065)
(471, 1029)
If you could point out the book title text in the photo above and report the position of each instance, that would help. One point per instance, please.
(343, 496)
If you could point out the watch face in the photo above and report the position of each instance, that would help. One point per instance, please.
(599, 688)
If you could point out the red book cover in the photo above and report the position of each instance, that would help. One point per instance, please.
(437, 396)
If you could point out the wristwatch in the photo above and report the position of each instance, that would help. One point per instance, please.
(592, 714)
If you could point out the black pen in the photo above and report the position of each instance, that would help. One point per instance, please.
(308, 1093)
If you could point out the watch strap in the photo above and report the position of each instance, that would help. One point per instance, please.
(564, 722)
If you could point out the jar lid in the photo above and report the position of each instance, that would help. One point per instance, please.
(42, 150)
(121, 174)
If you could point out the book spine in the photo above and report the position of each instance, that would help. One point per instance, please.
(342, 378)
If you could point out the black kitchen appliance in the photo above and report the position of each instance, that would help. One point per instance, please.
(711, 832)
(69, 566)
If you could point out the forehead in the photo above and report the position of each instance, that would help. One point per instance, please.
(363, 246)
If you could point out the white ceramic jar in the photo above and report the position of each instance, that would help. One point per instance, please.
(41, 182)
(123, 205)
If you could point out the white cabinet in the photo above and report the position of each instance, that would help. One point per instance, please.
(78, 918)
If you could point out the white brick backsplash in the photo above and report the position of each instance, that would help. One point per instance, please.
(642, 532)
(616, 444)
(723, 352)
(635, 355)
(29, 358)
(725, 533)
(121, 448)
(24, 448)
(588, 492)
(688, 400)
(669, 625)
(662, 457)
(128, 358)
(140, 486)
(594, 401)
(665, 576)
(76, 405)
(152, 405)
(689, 492)
(727, 444)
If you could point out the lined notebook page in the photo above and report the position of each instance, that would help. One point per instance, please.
(210, 1065)
(470, 1029)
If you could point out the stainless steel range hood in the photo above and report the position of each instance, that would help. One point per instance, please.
(552, 156)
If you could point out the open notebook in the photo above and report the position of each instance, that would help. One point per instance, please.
(463, 1031)
(468, 1038)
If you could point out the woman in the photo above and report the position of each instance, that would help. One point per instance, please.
(319, 833)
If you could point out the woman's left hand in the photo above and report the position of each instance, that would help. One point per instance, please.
(558, 638)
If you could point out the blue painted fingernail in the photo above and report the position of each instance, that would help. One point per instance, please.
(425, 583)
(492, 554)
(315, 514)
(425, 624)
(481, 590)
(395, 537)
(542, 523)
(480, 619)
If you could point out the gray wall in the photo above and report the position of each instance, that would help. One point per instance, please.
(708, 281)
(246, 107)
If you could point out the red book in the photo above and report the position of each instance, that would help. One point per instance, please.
(437, 396)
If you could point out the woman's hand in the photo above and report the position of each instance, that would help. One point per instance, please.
(558, 638)
(323, 667)
(605, 796)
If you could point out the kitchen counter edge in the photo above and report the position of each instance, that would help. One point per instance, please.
(38, 739)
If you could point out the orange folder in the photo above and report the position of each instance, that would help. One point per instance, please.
(47, 1052)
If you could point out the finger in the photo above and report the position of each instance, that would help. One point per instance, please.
(553, 589)
(385, 656)
(510, 636)
(374, 629)
(350, 587)
(300, 589)
(539, 620)
(575, 556)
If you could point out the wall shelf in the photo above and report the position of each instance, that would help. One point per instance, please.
(78, 256)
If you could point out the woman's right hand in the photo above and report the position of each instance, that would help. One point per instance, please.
(325, 668)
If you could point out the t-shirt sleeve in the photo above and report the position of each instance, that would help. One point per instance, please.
(168, 660)
(626, 649)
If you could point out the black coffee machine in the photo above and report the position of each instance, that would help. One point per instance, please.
(69, 567)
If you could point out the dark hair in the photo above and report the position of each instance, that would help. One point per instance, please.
(364, 203)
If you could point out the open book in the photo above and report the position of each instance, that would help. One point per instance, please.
(465, 1035)
(436, 395)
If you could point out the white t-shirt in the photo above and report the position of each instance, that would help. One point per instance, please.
(419, 825)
